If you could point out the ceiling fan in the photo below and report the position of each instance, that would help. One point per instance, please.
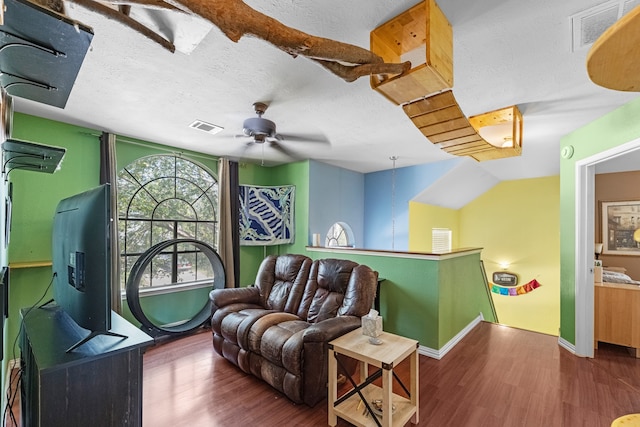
(259, 128)
(262, 131)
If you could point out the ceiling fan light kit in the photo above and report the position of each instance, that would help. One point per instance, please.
(425, 94)
(257, 126)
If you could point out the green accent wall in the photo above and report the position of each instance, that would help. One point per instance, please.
(293, 173)
(160, 309)
(35, 196)
(427, 300)
(609, 131)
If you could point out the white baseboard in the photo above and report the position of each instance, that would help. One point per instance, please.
(566, 345)
(439, 354)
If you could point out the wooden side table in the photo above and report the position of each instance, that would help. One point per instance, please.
(356, 405)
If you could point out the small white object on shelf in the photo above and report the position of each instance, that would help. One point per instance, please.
(372, 327)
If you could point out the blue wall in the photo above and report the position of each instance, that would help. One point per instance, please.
(335, 194)
(364, 201)
(379, 229)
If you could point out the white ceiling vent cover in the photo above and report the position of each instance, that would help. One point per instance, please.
(206, 127)
(589, 24)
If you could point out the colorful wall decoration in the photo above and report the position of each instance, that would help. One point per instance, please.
(266, 215)
(514, 291)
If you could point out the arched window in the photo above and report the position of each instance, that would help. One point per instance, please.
(165, 197)
(340, 235)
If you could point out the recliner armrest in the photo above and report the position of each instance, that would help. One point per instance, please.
(226, 296)
(331, 329)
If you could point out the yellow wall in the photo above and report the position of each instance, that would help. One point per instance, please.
(516, 222)
(422, 218)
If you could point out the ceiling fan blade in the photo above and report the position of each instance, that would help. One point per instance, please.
(287, 152)
(241, 153)
(311, 138)
(235, 137)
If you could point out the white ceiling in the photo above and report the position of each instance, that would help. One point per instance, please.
(506, 52)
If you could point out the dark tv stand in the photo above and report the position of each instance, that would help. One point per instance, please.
(97, 384)
(92, 335)
(89, 337)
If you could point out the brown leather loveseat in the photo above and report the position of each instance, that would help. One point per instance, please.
(279, 328)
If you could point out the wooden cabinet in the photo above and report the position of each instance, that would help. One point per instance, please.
(97, 384)
(617, 315)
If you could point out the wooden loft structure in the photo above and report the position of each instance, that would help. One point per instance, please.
(441, 120)
(421, 34)
(424, 36)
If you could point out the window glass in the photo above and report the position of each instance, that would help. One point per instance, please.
(340, 235)
(160, 198)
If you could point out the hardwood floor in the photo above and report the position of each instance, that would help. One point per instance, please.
(497, 376)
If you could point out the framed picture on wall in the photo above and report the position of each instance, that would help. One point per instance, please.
(621, 228)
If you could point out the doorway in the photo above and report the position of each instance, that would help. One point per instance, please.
(615, 159)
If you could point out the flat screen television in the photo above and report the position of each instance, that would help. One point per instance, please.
(81, 244)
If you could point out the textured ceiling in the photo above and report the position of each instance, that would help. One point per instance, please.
(505, 53)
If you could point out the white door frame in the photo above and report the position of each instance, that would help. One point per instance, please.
(585, 239)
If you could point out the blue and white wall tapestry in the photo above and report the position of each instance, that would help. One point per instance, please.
(266, 215)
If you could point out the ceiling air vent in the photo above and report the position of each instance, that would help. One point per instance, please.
(589, 24)
(206, 127)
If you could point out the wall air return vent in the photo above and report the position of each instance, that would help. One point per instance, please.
(206, 127)
(589, 24)
(440, 240)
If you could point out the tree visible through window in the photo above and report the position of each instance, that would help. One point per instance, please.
(160, 198)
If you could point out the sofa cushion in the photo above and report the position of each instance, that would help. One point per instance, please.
(281, 281)
(258, 328)
(360, 292)
(282, 345)
(278, 377)
(324, 292)
(221, 314)
(234, 324)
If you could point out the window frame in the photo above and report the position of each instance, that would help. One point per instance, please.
(126, 217)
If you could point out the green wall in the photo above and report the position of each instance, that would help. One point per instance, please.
(297, 174)
(292, 173)
(427, 300)
(35, 196)
(611, 130)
